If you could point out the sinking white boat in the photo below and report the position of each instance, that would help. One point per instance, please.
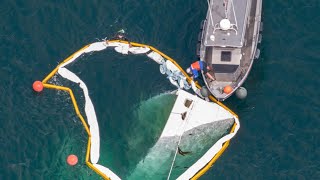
(193, 135)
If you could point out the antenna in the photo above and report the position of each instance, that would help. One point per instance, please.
(210, 13)
(234, 14)
(225, 3)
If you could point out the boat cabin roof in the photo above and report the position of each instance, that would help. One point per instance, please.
(237, 13)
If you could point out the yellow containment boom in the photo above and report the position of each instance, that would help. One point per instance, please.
(91, 159)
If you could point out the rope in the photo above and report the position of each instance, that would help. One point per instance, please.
(234, 13)
(174, 158)
(175, 155)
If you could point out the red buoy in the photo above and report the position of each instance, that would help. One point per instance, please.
(72, 160)
(37, 86)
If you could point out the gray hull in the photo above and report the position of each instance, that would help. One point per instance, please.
(230, 49)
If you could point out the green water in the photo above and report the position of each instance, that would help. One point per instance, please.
(279, 131)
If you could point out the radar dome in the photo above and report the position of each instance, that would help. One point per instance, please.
(225, 24)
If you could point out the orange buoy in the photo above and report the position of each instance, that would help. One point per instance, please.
(37, 86)
(72, 160)
(227, 89)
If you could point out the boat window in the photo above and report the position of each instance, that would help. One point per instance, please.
(226, 56)
(187, 103)
(183, 115)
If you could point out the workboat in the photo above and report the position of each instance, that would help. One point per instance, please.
(192, 136)
(228, 42)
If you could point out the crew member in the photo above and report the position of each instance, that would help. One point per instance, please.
(197, 67)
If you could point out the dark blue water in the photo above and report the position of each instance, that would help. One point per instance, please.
(279, 131)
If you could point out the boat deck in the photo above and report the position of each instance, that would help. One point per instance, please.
(247, 55)
(250, 44)
(236, 15)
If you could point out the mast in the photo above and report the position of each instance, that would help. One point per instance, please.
(225, 4)
(210, 12)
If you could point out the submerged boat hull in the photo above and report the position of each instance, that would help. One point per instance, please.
(192, 136)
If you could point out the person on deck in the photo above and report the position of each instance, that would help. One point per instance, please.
(197, 67)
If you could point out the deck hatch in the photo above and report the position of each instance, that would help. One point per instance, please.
(226, 56)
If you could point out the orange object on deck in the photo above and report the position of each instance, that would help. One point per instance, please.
(227, 89)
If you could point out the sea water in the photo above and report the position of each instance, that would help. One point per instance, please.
(278, 138)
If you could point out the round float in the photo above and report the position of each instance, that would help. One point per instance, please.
(72, 160)
(37, 86)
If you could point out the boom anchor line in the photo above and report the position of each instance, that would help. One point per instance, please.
(177, 76)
